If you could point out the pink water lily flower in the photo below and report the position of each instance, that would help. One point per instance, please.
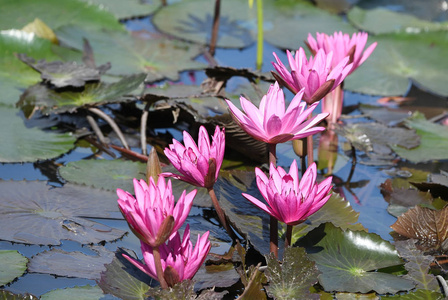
(198, 165)
(317, 75)
(341, 45)
(270, 122)
(289, 199)
(180, 261)
(153, 215)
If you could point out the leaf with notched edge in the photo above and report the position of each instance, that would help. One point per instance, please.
(429, 226)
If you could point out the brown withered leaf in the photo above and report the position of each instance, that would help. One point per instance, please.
(428, 226)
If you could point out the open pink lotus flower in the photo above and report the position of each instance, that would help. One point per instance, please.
(341, 45)
(317, 75)
(198, 165)
(180, 260)
(289, 200)
(270, 122)
(152, 215)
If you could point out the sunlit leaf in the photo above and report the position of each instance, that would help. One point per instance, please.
(417, 264)
(391, 21)
(71, 264)
(104, 174)
(385, 115)
(13, 265)
(23, 144)
(428, 226)
(293, 278)
(123, 280)
(55, 13)
(7, 295)
(86, 292)
(193, 20)
(437, 185)
(222, 275)
(434, 141)
(400, 57)
(41, 30)
(49, 100)
(159, 58)
(418, 295)
(32, 213)
(301, 16)
(126, 9)
(253, 288)
(348, 260)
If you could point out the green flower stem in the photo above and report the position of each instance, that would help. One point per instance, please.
(273, 224)
(158, 263)
(259, 34)
(221, 214)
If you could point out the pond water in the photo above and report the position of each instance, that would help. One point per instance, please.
(359, 183)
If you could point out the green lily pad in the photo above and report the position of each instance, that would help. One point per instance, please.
(13, 265)
(123, 280)
(7, 295)
(49, 100)
(192, 20)
(304, 18)
(104, 174)
(418, 295)
(14, 74)
(54, 13)
(23, 144)
(294, 277)
(348, 260)
(71, 264)
(434, 141)
(400, 57)
(391, 21)
(126, 9)
(158, 58)
(86, 292)
(32, 213)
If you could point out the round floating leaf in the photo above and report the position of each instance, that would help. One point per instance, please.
(400, 57)
(300, 18)
(13, 265)
(14, 74)
(418, 295)
(32, 213)
(126, 9)
(15, 14)
(391, 21)
(86, 292)
(23, 144)
(105, 174)
(434, 141)
(159, 58)
(49, 100)
(71, 264)
(348, 260)
(192, 20)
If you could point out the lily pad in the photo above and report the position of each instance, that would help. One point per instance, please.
(294, 277)
(418, 294)
(13, 265)
(192, 21)
(391, 21)
(32, 213)
(385, 115)
(54, 13)
(62, 74)
(23, 144)
(104, 174)
(71, 264)
(429, 226)
(14, 74)
(49, 100)
(86, 292)
(434, 141)
(304, 18)
(348, 260)
(400, 57)
(126, 9)
(7, 295)
(159, 58)
(222, 275)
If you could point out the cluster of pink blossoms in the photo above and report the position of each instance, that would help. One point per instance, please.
(153, 215)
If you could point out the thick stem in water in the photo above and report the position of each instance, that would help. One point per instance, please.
(273, 226)
(158, 263)
(215, 27)
(288, 236)
(221, 214)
